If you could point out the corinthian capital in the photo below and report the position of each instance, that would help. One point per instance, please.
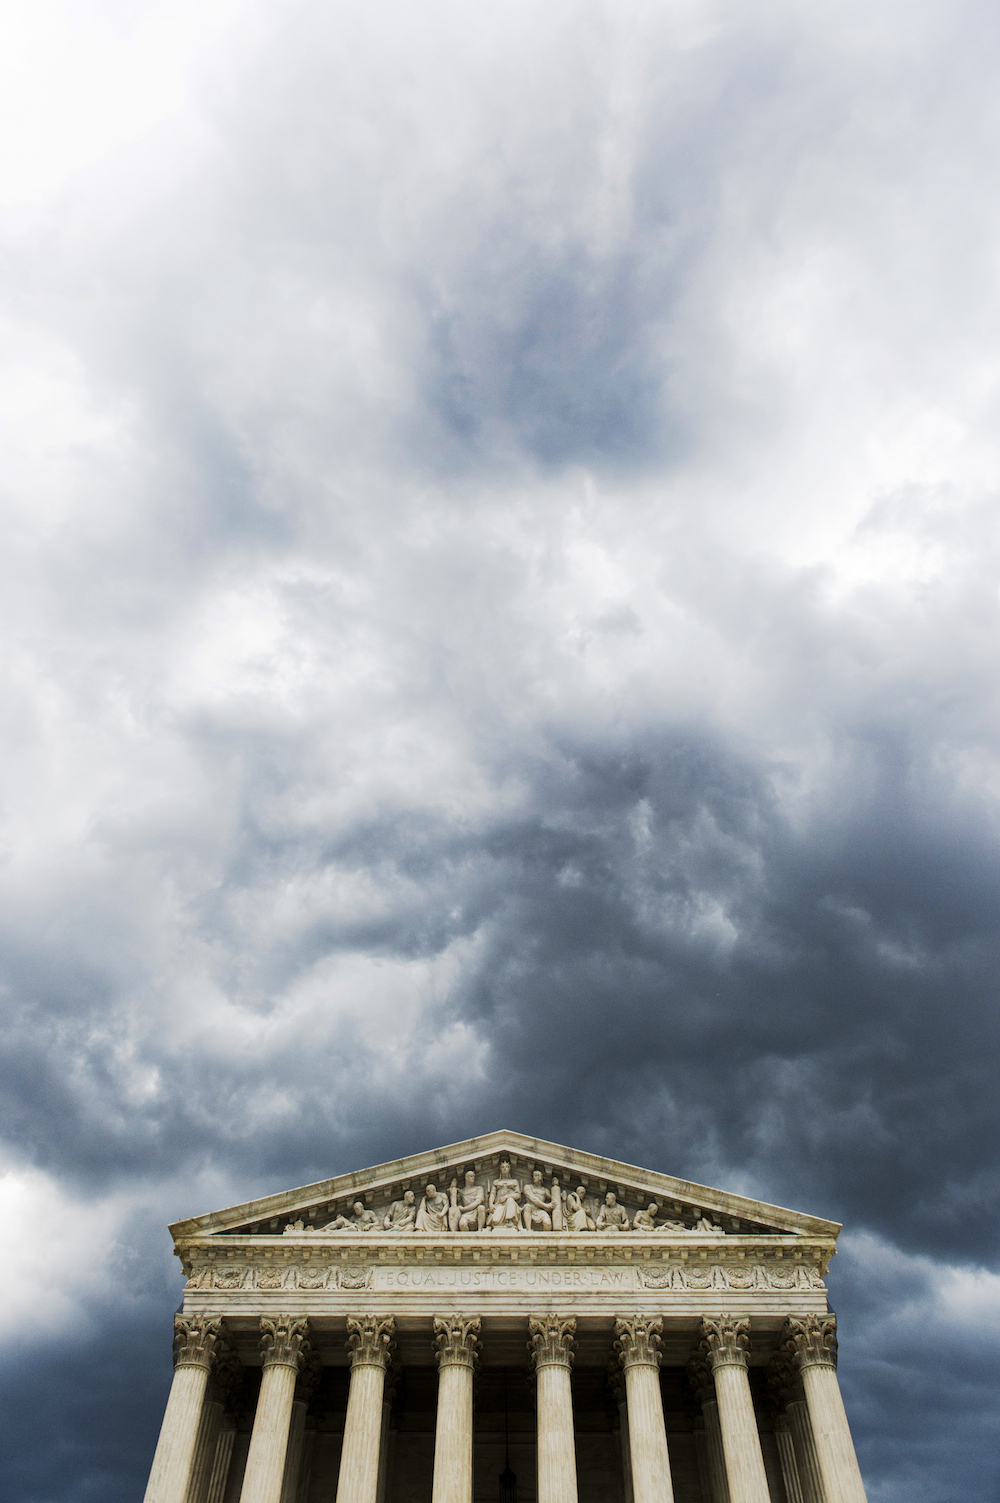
(637, 1340)
(701, 1378)
(281, 1341)
(552, 1339)
(725, 1340)
(811, 1341)
(456, 1340)
(370, 1340)
(197, 1341)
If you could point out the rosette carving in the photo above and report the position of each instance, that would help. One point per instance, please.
(638, 1340)
(370, 1340)
(552, 1340)
(197, 1341)
(811, 1341)
(282, 1339)
(456, 1340)
(725, 1340)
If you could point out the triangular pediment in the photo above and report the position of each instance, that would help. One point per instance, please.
(686, 1205)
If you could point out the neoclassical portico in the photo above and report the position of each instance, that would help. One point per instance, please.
(612, 1332)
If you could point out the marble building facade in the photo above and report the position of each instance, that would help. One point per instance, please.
(505, 1320)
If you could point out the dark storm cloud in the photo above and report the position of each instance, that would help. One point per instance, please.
(501, 615)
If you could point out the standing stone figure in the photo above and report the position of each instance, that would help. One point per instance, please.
(468, 1205)
(505, 1193)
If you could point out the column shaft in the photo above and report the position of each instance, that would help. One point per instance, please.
(838, 1462)
(293, 1455)
(383, 1453)
(269, 1439)
(716, 1455)
(453, 1436)
(170, 1473)
(358, 1480)
(647, 1435)
(626, 1448)
(810, 1481)
(204, 1452)
(789, 1467)
(220, 1466)
(195, 1344)
(740, 1439)
(556, 1441)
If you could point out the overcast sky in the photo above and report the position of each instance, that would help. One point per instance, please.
(499, 594)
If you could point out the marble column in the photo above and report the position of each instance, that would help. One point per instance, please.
(786, 1454)
(385, 1453)
(812, 1344)
(551, 1342)
(786, 1389)
(703, 1382)
(293, 1455)
(638, 1343)
(196, 1344)
(725, 1341)
(806, 1460)
(281, 1345)
(456, 1350)
(371, 1347)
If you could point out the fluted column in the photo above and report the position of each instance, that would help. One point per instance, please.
(196, 1343)
(220, 1465)
(456, 1349)
(371, 1346)
(552, 1339)
(725, 1342)
(637, 1343)
(806, 1460)
(305, 1386)
(281, 1345)
(702, 1380)
(209, 1429)
(786, 1388)
(812, 1344)
(786, 1455)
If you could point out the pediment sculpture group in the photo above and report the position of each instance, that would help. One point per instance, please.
(509, 1205)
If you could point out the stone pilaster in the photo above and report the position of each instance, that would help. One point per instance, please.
(456, 1350)
(703, 1382)
(282, 1343)
(638, 1341)
(812, 1344)
(196, 1345)
(725, 1341)
(552, 1342)
(371, 1346)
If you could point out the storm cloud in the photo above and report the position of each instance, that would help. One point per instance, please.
(500, 603)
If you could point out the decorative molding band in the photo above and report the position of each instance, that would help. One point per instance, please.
(281, 1340)
(725, 1340)
(638, 1340)
(197, 1341)
(456, 1340)
(811, 1341)
(369, 1340)
(552, 1340)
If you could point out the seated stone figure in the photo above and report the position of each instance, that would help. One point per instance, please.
(432, 1213)
(645, 1221)
(538, 1205)
(577, 1219)
(467, 1212)
(402, 1214)
(361, 1221)
(612, 1217)
(504, 1207)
